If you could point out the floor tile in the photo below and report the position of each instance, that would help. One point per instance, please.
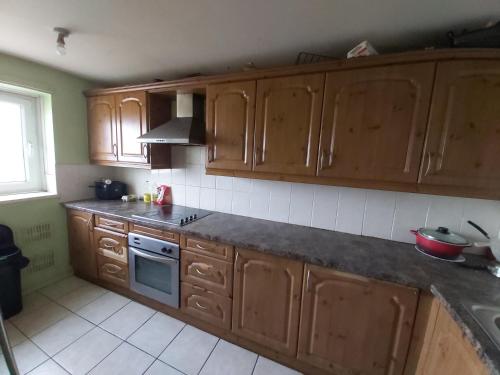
(103, 307)
(148, 338)
(34, 300)
(189, 350)
(63, 287)
(160, 368)
(229, 359)
(64, 332)
(15, 336)
(127, 320)
(28, 356)
(80, 297)
(265, 366)
(48, 368)
(39, 319)
(124, 360)
(90, 349)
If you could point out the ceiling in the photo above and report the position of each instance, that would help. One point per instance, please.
(125, 41)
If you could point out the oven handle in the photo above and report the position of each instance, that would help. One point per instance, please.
(165, 260)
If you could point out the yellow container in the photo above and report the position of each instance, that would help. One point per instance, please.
(147, 197)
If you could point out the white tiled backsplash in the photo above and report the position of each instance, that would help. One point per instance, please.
(375, 213)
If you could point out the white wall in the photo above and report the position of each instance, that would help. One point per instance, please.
(373, 213)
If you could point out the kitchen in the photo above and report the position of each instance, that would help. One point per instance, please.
(257, 209)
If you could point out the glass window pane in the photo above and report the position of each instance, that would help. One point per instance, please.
(153, 274)
(12, 165)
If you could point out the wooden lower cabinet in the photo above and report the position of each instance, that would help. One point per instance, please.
(110, 244)
(81, 244)
(112, 271)
(266, 300)
(354, 325)
(448, 352)
(206, 305)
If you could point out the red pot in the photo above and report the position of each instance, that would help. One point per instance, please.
(440, 242)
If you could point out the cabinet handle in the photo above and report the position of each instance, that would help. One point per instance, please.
(145, 152)
(429, 163)
(196, 287)
(308, 279)
(258, 155)
(198, 246)
(115, 149)
(89, 224)
(111, 268)
(210, 151)
(109, 224)
(198, 271)
(200, 306)
(108, 246)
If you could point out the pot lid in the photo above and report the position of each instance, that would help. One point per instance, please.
(443, 234)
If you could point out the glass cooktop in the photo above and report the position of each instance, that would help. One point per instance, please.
(173, 214)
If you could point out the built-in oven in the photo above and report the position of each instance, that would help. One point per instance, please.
(154, 268)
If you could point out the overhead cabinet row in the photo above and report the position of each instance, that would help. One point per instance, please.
(432, 125)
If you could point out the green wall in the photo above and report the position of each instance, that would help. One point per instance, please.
(70, 138)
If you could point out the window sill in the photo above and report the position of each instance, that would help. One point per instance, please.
(5, 199)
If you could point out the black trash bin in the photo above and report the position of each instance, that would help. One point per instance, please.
(11, 263)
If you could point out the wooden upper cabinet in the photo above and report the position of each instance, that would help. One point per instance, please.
(230, 125)
(131, 122)
(102, 128)
(266, 300)
(374, 122)
(353, 325)
(81, 247)
(287, 124)
(462, 146)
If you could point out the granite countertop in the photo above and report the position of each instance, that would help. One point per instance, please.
(452, 283)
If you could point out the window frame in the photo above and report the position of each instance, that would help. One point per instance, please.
(33, 141)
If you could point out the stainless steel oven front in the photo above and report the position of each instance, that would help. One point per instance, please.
(154, 268)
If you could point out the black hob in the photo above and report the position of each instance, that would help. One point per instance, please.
(173, 214)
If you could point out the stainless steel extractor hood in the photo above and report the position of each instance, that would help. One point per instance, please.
(187, 128)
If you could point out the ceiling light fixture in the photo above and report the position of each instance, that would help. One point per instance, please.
(62, 33)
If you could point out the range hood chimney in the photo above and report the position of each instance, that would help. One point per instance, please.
(188, 128)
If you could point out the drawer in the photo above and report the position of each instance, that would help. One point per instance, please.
(154, 232)
(113, 224)
(112, 271)
(206, 247)
(206, 305)
(209, 273)
(110, 244)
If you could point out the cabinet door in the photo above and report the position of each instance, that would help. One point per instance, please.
(230, 125)
(462, 146)
(350, 324)
(82, 254)
(288, 115)
(131, 123)
(449, 353)
(374, 122)
(266, 300)
(102, 128)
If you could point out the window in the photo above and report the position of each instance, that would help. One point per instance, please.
(23, 141)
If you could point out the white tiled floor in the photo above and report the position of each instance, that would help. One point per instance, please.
(74, 327)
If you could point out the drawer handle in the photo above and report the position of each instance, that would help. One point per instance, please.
(200, 306)
(108, 223)
(198, 271)
(108, 246)
(112, 268)
(198, 246)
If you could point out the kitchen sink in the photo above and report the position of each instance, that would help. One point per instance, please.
(488, 318)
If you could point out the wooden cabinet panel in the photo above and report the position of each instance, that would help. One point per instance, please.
(131, 122)
(110, 244)
(287, 124)
(449, 353)
(81, 246)
(116, 225)
(374, 122)
(102, 128)
(206, 305)
(266, 300)
(112, 271)
(209, 248)
(350, 324)
(212, 274)
(462, 146)
(230, 125)
(154, 232)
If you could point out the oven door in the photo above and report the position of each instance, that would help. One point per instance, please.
(154, 276)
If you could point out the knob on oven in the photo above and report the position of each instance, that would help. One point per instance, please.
(166, 250)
